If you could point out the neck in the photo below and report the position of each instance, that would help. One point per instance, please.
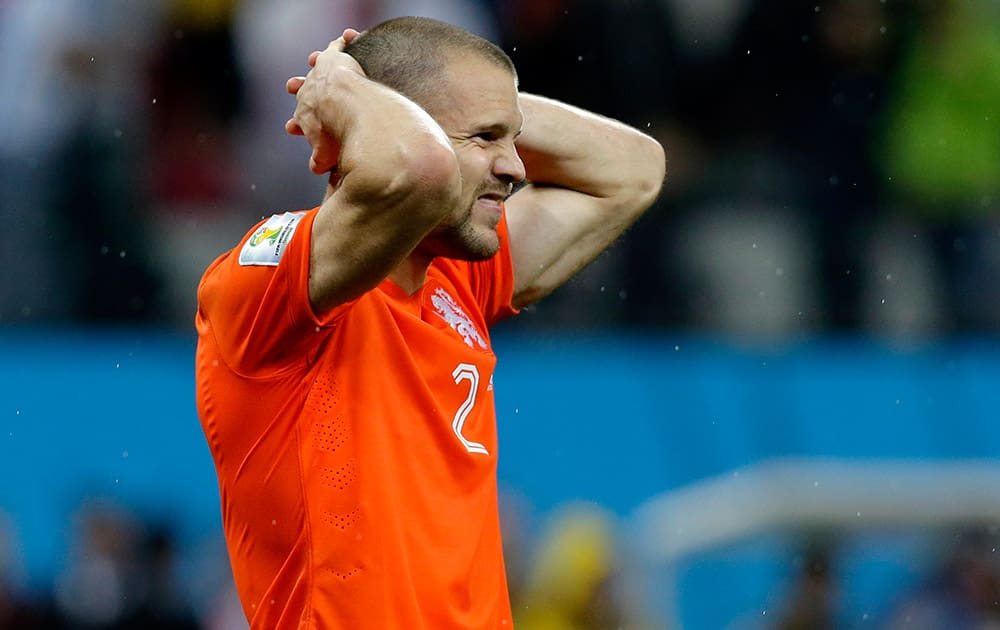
(410, 274)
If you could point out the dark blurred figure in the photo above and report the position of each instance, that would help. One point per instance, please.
(812, 600)
(809, 599)
(19, 610)
(609, 57)
(164, 606)
(963, 593)
(198, 91)
(101, 584)
(101, 235)
(121, 575)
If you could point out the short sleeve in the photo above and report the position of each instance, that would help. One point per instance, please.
(256, 304)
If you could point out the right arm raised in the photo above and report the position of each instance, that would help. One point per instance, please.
(396, 175)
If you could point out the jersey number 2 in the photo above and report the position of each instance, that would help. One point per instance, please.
(467, 372)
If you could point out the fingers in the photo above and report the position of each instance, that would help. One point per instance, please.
(338, 44)
(325, 151)
(294, 84)
(323, 158)
(293, 127)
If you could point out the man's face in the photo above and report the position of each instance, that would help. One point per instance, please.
(477, 106)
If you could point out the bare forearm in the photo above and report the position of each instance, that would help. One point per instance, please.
(567, 147)
(386, 141)
(590, 178)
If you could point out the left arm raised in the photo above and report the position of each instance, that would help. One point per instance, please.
(589, 178)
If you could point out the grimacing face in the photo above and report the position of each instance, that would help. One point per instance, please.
(478, 108)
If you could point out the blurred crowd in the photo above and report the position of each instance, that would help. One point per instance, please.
(121, 572)
(573, 570)
(833, 166)
(959, 590)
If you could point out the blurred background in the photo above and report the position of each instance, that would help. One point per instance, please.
(773, 404)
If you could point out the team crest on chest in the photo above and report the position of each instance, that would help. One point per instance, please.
(448, 309)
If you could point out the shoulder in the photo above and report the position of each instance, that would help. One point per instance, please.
(254, 297)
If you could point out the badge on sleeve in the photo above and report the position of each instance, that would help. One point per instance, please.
(266, 245)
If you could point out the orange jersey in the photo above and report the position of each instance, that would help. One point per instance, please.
(356, 450)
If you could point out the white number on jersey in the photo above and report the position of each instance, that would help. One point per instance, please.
(467, 372)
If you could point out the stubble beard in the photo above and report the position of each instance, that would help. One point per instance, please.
(468, 240)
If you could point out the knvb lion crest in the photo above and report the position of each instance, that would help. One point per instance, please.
(449, 310)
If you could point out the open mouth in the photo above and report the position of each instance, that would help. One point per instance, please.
(497, 195)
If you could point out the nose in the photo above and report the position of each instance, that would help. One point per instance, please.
(508, 166)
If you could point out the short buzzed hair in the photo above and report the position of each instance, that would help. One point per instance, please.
(408, 54)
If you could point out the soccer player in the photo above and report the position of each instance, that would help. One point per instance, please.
(344, 365)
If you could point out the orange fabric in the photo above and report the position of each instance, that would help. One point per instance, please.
(356, 451)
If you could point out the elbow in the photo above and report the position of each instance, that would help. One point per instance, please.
(428, 173)
(651, 173)
(430, 164)
(640, 180)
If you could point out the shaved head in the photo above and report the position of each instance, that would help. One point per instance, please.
(410, 54)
